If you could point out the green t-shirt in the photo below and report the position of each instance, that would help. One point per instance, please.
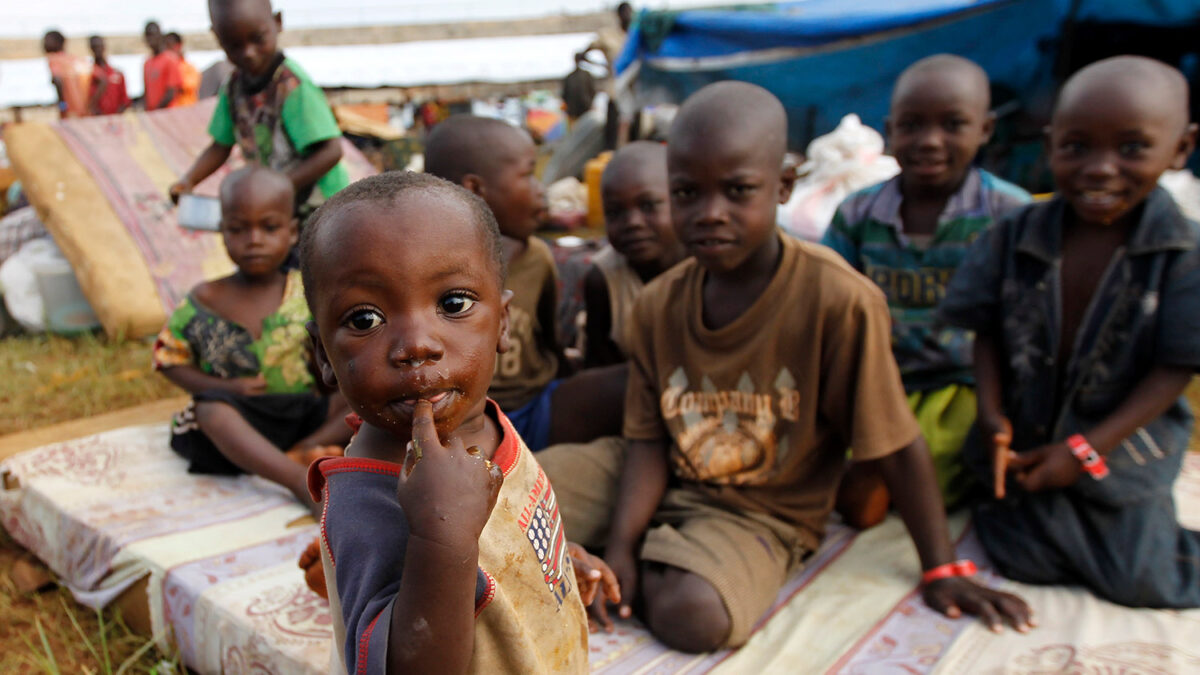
(276, 125)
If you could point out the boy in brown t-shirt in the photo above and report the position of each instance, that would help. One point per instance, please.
(753, 367)
(496, 161)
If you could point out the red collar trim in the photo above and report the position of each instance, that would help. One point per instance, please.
(505, 457)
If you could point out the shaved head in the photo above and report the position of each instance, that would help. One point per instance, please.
(257, 180)
(640, 158)
(466, 144)
(947, 71)
(224, 8)
(731, 109)
(1133, 77)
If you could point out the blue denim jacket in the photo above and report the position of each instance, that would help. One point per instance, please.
(1144, 313)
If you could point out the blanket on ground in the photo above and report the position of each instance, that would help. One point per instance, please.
(109, 509)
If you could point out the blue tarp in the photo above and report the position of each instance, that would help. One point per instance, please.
(827, 58)
(805, 23)
(853, 70)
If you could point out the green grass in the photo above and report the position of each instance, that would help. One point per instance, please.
(49, 378)
(48, 632)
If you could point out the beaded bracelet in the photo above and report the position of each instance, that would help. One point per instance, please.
(958, 568)
(1091, 460)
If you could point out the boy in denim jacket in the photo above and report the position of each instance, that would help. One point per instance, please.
(1088, 331)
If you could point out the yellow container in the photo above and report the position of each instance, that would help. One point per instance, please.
(591, 178)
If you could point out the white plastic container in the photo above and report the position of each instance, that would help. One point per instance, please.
(67, 310)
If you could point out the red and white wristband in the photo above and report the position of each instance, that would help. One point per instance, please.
(958, 568)
(1091, 460)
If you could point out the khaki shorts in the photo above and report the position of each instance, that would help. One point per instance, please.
(745, 556)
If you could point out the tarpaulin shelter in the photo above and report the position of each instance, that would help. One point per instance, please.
(827, 58)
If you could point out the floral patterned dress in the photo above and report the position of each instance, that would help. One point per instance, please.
(289, 409)
(197, 336)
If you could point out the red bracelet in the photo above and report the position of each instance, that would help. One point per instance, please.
(1091, 460)
(958, 568)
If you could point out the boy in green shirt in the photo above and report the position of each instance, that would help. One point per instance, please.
(270, 108)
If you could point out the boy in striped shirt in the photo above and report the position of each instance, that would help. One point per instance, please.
(908, 235)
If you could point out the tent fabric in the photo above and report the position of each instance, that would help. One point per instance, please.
(807, 23)
(825, 59)
(821, 84)
(702, 33)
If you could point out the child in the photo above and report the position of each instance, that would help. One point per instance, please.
(161, 71)
(496, 161)
(189, 77)
(443, 550)
(908, 235)
(238, 344)
(1086, 336)
(68, 74)
(270, 108)
(108, 94)
(753, 366)
(637, 217)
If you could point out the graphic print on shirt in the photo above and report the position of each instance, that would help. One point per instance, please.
(543, 528)
(728, 436)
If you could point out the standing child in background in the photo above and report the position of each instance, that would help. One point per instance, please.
(160, 74)
(108, 94)
(1087, 318)
(441, 543)
(637, 218)
(753, 366)
(69, 74)
(496, 161)
(908, 235)
(189, 77)
(239, 346)
(270, 108)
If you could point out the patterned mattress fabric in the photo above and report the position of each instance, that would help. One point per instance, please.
(100, 185)
(107, 510)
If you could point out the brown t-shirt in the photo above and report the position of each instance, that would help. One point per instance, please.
(760, 412)
(623, 285)
(530, 363)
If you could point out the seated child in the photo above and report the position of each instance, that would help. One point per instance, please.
(239, 346)
(753, 367)
(637, 218)
(908, 235)
(270, 108)
(1087, 333)
(442, 546)
(496, 161)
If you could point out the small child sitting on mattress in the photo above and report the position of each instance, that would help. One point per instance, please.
(239, 346)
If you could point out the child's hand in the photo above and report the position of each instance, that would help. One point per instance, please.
(447, 493)
(249, 386)
(954, 595)
(999, 431)
(623, 565)
(314, 569)
(1047, 467)
(592, 575)
(179, 187)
